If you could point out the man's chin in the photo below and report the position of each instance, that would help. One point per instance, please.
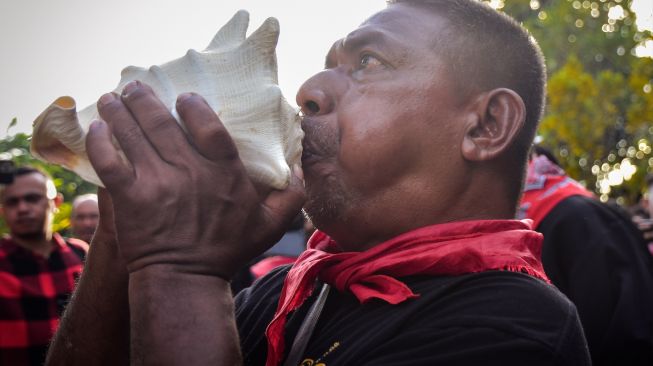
(29, 235)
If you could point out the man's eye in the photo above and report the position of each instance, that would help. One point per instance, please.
(33, 198)
(369, 61)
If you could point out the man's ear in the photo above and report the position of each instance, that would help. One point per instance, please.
(495, 122)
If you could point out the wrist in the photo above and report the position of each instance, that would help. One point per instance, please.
(191, 261)
(164, 300)
(172, 273)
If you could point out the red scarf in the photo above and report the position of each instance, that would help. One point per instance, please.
(546, 185)
(446, 249)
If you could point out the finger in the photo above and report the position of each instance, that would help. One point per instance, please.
(281, 207)
(206, 130)
(156, 121)
(104, 157)
(129, 135)
(105, 205)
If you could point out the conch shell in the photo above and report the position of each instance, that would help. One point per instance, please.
(238, 78)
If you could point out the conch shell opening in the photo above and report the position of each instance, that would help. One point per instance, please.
(237, 75)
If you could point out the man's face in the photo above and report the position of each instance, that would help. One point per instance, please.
(379, 121)
(26, 207)
(84, 220)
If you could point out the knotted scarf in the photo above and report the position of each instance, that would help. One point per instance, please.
(444, 249)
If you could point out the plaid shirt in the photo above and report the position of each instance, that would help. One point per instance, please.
(33, 293)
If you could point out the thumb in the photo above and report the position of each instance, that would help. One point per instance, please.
(280, 207)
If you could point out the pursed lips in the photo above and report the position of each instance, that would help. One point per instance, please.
(316, 145)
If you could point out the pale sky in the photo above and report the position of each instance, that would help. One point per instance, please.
(52, 48)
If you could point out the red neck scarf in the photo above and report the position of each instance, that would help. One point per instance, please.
(446, 249)
(546, 185)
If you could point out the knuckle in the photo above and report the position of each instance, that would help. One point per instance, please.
(160, 119)
(112, 173)
(128, 136)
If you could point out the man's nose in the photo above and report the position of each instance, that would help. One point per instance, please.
(315, 96)
(89, 221)
(23, 206)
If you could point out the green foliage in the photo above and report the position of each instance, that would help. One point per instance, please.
(69, 184)
(599, 113)
(13, 123)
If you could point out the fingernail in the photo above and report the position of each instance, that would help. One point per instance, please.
(95, 125)
(184, 97)
(106, 99)
(130, 87)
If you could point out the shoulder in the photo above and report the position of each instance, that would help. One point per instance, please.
(266, 289)
(513, 310)
(5, 244)
(495, 296)
(77, 244)
(581, 224)
(583, 212)
(255, 307)
(489, 318)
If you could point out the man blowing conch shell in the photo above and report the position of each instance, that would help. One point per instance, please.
(416, 138)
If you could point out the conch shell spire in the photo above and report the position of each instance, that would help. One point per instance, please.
(237, 75)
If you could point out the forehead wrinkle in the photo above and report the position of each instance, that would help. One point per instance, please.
(363, 37)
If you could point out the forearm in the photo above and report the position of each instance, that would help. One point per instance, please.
(94, 330)
(181, 319)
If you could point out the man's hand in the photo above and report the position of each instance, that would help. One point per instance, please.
(183, 200)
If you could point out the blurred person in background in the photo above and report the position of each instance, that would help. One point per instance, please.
(595, 255)
(38, 268)
(84, 216)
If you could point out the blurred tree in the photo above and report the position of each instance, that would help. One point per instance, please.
(16, 148)
(599, 114)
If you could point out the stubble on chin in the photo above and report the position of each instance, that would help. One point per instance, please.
(30, 236)
(328, 202)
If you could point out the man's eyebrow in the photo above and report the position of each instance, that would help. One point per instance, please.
(361, 37)
(355, 40)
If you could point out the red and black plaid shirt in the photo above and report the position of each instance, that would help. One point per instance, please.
(33, 293)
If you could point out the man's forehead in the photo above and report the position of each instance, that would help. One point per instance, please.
(87, 205)
(29, 184)
(32, 181)
(408, 25)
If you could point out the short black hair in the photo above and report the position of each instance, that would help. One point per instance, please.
(28, 169)
(23, 170)
(484, 49)
(487, 49)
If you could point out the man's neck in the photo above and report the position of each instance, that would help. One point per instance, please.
(39, 244)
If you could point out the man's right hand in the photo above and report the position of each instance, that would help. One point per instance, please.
(183, 201)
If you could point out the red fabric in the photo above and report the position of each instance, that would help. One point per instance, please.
(33, 292)
(546, 185)
(265, 265)
(446, 249)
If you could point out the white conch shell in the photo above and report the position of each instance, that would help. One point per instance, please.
(238, 78)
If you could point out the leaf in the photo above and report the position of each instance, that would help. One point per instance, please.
(13, 123)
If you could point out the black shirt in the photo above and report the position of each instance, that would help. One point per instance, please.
(598, 259)
(490, 318)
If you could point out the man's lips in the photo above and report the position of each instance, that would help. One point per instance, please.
(316, 145)
(308, 155)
